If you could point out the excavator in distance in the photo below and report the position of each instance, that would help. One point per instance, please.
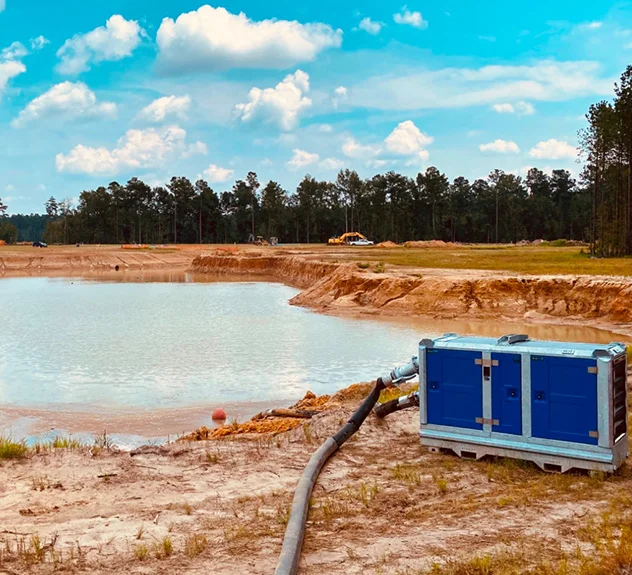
(350, 239)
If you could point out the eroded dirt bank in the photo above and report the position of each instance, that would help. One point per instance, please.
(337, 287)
(60, 260)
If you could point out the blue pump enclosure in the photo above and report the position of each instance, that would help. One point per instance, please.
(560, 405)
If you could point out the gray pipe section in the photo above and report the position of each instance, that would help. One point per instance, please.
(295, 531)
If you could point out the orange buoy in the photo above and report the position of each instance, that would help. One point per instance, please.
(219, 414)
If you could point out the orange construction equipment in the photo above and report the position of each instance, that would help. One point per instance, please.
(347, 238)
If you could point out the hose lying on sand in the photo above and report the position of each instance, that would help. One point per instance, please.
(295, 531)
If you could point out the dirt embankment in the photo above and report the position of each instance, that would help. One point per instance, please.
(67, 259)
(439, 293)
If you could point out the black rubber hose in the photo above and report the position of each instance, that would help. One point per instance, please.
(383, 409)
(295, 530)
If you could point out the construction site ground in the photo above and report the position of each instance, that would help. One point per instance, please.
(383, 505)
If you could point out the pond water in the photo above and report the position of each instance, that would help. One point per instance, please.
(112, 346)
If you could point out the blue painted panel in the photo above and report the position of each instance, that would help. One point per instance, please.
(507, 393)
(454, 388)
(563, 399)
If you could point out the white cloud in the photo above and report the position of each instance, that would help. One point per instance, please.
(2, 5)
(521, 108)
(500, 147)
(332, 164)
(547, 80)
(553, 150)
(370, 26)
(325, 128)
(9, 66)
(215, 174)
(136, 149)
(281, 105)
(504, 108)
(9, 188)
(301, 158)
(72, 100)
(378, 164)
(167, 107)
(407, 140)
(15, 51)
(38, 43)
(591, 25)
(411, 18)
(354, 149)
(110, 43)
(340, 95)
(213, 38)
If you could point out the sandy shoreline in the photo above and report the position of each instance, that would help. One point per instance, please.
(383, 505)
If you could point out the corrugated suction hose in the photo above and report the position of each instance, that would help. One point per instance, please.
(295, 531)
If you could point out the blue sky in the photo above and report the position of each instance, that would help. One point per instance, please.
(102, 92)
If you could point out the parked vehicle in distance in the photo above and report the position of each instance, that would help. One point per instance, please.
(350, 239)
(40, 245)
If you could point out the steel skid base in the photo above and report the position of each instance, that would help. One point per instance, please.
(549, 462)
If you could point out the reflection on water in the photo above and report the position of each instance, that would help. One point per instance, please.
(173, 341)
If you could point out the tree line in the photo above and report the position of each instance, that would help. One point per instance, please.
(501, 208)
(606, 145)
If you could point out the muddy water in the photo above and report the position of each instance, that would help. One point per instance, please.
(152, 355)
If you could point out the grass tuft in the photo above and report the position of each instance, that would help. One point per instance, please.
(11, 449)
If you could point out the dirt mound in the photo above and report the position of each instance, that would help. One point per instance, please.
(387, 244)
(429, 244)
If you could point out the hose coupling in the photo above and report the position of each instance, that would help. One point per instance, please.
(403, 373)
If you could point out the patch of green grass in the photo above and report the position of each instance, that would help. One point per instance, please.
(11, 449)
(379, 268)
(535, 260)
(141, 552)
(363, 265)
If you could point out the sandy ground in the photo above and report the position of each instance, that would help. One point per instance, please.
(383, 505)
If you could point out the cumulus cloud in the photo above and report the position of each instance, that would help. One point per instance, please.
(410, 18)
(521, 108)
(553, 150)
(167, 107)
(215, 174)
(405, 140)
(281, 105)
(15, 51)
(135, 150)
(370, 26)
(110, 43)
(408, 140)
(301, 158)
(500, 147)
(10, 64)
(546, 80)
(354, 149)
(72, 100)
(332, 164)
(38, 42)
(212, 38)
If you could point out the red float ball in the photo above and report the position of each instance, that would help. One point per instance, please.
(219, 414)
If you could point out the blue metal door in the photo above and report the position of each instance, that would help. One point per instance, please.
(564, 399)
(506, 393)
(454, 388)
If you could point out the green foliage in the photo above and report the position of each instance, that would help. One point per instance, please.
(11, 449)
